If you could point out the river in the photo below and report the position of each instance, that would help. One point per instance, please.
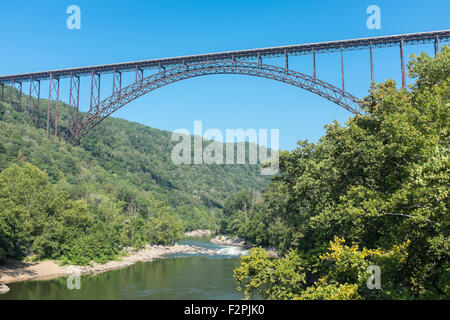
(178, 276)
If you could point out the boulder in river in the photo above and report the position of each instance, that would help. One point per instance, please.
(228, 241)
(4, 288)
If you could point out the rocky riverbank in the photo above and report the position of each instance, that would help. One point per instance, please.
(236, 241)
(229, 241)
(14, 271)
(198, 233)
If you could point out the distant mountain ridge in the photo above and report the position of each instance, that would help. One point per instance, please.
(120, 154)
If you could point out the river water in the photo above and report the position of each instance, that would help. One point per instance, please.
(178, 276)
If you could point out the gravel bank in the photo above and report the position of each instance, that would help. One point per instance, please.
(198, 233)
(15, 271)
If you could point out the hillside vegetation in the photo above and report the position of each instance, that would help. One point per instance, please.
(370, 195)
(118, 188)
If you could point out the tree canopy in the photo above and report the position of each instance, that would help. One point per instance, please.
(374, 191)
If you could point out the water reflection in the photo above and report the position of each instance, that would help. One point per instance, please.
(185, 277)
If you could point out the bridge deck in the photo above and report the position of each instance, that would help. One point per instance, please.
(293, 50)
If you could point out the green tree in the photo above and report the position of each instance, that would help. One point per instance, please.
(379, 182)
(25, 200)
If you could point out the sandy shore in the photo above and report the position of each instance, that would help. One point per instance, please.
(15, 271)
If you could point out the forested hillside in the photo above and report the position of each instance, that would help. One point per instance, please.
(370, 195)
(121, 172)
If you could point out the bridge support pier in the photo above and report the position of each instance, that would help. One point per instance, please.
(314, 63)
(286, 61)
(402, 58)
(53, 102)
(436, 46)
(95, 92)
(372, 82)
(16, 89)
(74, 102)
(35, 88)
(139, 75)
(163, 68)
(117, 81)
(342, 68)
(11, 93)
(29, 102)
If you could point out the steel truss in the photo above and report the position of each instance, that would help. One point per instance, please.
(74, 102)
(33, 103)
(117, 81)
(158, 80)
(53, 102)
(15, 95)
(95, 91)
(139, 74)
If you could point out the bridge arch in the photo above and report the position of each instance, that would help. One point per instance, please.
(186, 71)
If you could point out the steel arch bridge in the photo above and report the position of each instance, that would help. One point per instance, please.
(170, 70)
(160, 79)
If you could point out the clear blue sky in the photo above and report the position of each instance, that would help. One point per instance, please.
(34, 37)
